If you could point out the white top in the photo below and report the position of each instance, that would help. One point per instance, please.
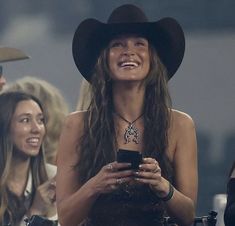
(51, 172)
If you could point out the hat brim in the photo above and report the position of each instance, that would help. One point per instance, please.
(8, 54)
(91, 36)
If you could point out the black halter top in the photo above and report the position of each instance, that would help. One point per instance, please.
(130, 205)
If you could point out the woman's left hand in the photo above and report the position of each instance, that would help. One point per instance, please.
(150, 173)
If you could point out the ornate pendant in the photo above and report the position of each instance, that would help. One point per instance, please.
(131, 134)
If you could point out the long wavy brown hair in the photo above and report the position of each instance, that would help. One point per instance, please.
(98, 144)
(12, 207)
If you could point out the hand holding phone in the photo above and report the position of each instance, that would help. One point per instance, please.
(129, 156)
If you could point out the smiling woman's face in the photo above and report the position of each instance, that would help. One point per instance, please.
(27, 128)
(129, 58)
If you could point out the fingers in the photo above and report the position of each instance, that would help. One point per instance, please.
(52, 183)
(47, 191)
(109, 167)
(150, 172)
(52, 190)
(51, 195)
(115, 183)
(118, 170)
(151, 165)
(49, 184)
(115, 166)
(114, 174)
(122, 180)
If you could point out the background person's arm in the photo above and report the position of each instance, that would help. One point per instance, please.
(229, 213)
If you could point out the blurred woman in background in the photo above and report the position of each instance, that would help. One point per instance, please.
(27, 185)
(54, 105)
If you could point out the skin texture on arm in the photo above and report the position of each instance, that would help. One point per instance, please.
(185, 169)
(67, 192)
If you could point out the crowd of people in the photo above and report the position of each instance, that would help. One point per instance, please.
(66, 167)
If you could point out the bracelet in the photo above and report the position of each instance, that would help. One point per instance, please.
(169, 195)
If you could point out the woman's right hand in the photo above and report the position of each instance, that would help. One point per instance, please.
(44, 199)
(111, 176)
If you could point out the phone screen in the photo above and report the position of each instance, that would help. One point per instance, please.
(129, 156)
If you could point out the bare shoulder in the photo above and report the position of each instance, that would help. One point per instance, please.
(70, 136)
(74, 123)
(74, 119)
(181, 132)
(182, 120)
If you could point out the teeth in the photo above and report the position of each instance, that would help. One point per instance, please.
(131, 64)
(33, 140)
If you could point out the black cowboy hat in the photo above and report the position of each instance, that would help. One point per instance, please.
(91, 36)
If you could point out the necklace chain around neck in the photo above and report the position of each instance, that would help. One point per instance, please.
(126, 119)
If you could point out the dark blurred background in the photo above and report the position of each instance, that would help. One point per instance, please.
(203, 86)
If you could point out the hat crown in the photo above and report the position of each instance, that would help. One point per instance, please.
(127, 14)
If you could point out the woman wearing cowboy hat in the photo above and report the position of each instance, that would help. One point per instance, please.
(128, 62)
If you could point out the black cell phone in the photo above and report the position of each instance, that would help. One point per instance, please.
(129, 156)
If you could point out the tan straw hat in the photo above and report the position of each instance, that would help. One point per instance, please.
(11, 54)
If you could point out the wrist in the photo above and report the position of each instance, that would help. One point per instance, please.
(90, 190)
(169, 195)
(165, 196)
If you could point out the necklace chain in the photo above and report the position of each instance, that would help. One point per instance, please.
(126, 119)
(131, 132)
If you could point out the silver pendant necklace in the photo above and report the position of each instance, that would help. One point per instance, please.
(131, 132)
